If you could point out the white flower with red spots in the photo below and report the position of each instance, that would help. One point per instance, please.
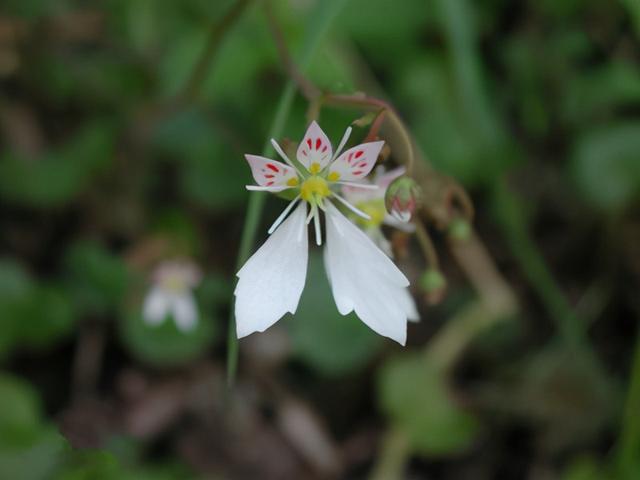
(171, 294)
(363, 279)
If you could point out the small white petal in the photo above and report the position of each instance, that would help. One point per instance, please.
(383, 178)
(267, 172)
(185, 311)
(315, 147)
(156, 306)
(392, 221)
(356, 163)
(272, 280)
(363, 279)
(258, 188)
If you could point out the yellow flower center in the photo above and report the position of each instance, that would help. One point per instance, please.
(174, 283)
(314, 188)
(375, 209)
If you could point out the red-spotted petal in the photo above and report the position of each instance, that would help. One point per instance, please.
(355, 163)
(315, 150)
(270, 173)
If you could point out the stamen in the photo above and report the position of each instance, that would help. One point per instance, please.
(280, 152)
(282, 216)
(355, 210)
(316, 227)
(364, 186)
(343, 142)
(310, 216)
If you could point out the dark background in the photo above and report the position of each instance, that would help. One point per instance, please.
(123, 125)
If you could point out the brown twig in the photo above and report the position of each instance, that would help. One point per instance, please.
(306, 87)
(87, 362)
(426, 244)
(214, 42)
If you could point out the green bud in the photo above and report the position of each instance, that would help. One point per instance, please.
(459, 229)
(432, 280)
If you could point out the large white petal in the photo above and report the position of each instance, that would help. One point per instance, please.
(185, 311)
(272, 280)
(363, 279)
(156, 306)
(409, 305)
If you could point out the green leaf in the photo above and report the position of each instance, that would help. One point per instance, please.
(97, 279)
(600, 91)
(20, 411)
(210, 175)
(165, 345)
(452, 141)
(33, 315)
(60, 175)
(386, 30)
(215, 179)
(29, 449)
(414, 396)
(606, 167)
(329, 342)
(15, 289)
(584, 468)
(49, 316)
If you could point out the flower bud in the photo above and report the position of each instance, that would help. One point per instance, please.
(459, 229)
(402, 197)
(434, 285)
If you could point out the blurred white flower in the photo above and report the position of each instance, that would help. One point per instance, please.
(363, 279)
(172, 294)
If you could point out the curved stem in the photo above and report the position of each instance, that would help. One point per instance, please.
(214, 42)
(426, 244)
(369, 103)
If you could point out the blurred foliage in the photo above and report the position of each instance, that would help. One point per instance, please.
(61, 175)
(414, 395)
(34, 314)
(531, 105)
(30, 448)
(165, 345)
(98, 280)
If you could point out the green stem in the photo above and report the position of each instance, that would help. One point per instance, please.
(320, 20)
(628, 450)
(392, 460)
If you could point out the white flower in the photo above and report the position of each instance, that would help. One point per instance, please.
(171, 294)
(363, 279)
